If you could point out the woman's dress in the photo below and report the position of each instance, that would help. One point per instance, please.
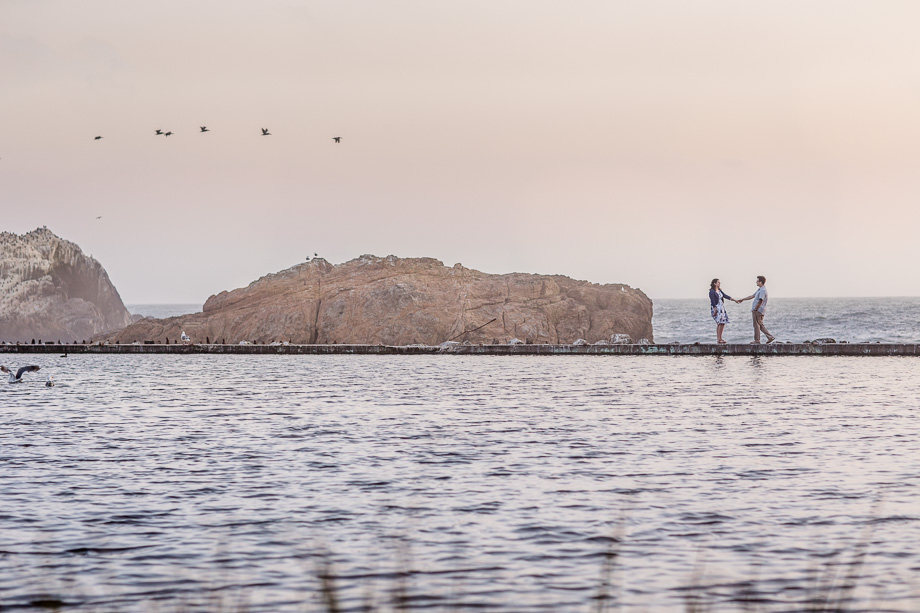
(716, 301)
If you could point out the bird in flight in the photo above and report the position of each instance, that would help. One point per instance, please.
(99, 217)
(265, 132)
(337, 139)
(159, 132)
(17, 378)
(167, 133)
(204, 129)
(97, 138)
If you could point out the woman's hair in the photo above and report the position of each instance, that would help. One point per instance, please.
(712, 285)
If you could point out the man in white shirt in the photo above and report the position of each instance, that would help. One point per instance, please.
(759, 309)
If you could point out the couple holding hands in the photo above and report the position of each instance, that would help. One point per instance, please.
(717, 301)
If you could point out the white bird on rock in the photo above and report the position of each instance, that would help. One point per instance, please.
(17, 378)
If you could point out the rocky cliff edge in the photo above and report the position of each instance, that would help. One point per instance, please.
(51, 290)
(403, 301)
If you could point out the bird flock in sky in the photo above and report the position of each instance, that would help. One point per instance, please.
(265, 132)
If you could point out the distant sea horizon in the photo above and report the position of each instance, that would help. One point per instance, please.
(687, 320)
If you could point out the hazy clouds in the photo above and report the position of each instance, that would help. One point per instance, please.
(658, 144)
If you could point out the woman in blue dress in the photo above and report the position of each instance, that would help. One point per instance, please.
(717, 304)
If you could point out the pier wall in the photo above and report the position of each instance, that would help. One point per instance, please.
(838, 349)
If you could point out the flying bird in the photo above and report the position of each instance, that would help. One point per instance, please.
(204, 129)
(337, 139)
(159, 132)
(265, 132)
(17, 378)
(99, 217)
(167, 133)
(97, 138)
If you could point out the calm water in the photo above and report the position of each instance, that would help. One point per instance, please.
(161, 311)
(465, 482)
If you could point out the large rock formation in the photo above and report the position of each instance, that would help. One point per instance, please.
(51, 290)
(394, 301)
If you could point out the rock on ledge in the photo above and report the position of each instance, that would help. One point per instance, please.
(396, 301)
(51, 290)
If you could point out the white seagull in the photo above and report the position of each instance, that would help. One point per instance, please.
(17, 378)
(184, 338)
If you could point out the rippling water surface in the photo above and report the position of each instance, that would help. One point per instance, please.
(856, 320)
(161, 483)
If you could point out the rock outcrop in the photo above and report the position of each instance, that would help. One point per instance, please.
(51, 290)
(395, 301)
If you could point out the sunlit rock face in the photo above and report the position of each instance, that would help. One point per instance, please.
(402, 301)
(50, 290)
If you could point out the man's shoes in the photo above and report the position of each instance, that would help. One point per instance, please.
(771, 339)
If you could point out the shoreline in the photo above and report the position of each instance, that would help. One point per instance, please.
(693, 349)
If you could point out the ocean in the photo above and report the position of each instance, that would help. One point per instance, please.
(458, 483)
(863, 320)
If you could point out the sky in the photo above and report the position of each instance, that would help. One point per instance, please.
(658, 143)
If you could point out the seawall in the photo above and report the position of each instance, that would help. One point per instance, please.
(698, 349)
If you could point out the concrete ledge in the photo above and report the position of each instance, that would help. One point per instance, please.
(849, 349)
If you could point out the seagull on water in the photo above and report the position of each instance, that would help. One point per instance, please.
(265, 132)
(17, 378)
(204, 129)
(50, 381)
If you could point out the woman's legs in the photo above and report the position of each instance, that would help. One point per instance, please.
(719, 328)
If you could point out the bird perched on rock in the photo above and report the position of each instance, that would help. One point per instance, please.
(204, 129)
(98, 138)
(265, 132)
(337, 139)
(50, 381)
(17, 378)
(158, 132)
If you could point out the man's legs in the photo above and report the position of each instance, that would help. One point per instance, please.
(758, 326)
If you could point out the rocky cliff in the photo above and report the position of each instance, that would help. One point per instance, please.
(51, 290)
(394, 301)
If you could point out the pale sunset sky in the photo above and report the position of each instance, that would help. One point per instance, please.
(654, 143)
